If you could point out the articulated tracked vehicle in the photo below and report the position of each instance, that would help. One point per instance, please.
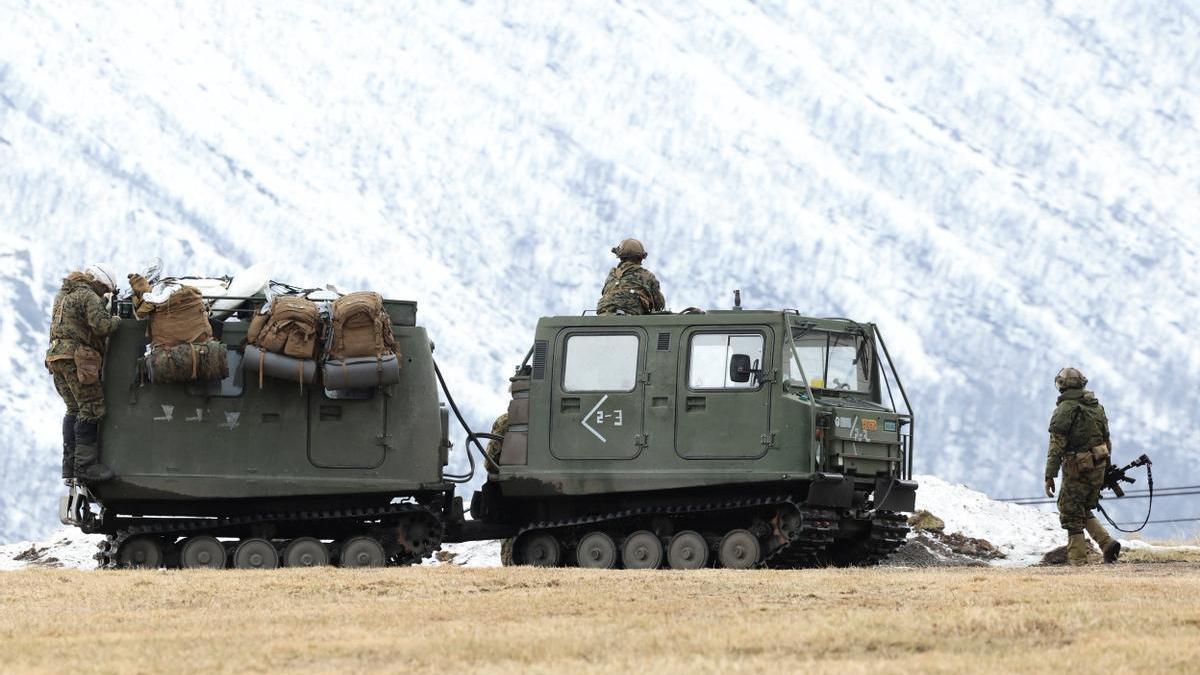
(734, 438)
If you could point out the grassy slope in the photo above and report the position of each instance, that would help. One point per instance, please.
(1141, 617)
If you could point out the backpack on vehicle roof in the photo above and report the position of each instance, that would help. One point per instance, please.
(362, 350)
(361, 327)
(182, 318)
(282, 342)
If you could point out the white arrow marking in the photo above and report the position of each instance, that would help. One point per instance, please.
(589, 415)
(198, 418)
(168, 413)
(231, 421)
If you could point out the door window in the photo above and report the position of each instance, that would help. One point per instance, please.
(600, 363)
(712, 355)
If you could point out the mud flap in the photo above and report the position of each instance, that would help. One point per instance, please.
(893, 494)
(836, 491)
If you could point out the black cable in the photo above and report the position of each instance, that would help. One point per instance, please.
(472, 437)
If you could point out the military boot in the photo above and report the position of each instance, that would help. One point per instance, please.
(1077, 549)
(68, 458)
(1109, 546)
(88, 468)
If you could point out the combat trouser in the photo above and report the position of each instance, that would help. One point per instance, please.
(85, 405)
(85, 401)
(1080, 493)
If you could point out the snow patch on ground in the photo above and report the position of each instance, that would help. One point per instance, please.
(66, 547)
(1023, 533)
(468, 554)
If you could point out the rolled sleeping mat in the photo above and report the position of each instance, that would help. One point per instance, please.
(187, 363)
(279, 366)
(362, 371)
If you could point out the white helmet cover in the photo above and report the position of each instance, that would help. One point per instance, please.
(103, 274)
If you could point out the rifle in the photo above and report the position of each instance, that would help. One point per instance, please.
(1113, 477)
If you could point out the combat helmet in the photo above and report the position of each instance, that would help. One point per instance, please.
(630, 249)
(1069, 378)
(103, 275)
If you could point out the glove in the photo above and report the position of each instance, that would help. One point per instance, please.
(1050, 488)
(138, 283)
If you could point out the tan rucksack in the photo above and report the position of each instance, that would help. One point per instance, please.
(181, 319)
(290, 328)
(361, 327)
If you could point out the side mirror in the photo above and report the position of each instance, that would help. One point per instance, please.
(739, 368)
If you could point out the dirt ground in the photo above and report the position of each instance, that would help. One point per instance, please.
(1123, 618)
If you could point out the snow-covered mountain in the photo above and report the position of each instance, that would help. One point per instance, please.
(1005, 188)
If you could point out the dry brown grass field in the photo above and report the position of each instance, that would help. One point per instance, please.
(1136, 617)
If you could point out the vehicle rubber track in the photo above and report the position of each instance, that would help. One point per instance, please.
(107, 558)
(818, 526)
(889, 531)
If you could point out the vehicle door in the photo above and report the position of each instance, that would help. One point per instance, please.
(347, 428)
(598, 394)
(723, 404)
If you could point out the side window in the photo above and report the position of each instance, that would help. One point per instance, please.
(712, 355)
(600, 363)
(231, 386)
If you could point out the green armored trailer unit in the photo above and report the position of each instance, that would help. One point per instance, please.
(255, 471)
(736, 438)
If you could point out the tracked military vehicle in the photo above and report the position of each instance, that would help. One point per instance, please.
(732, 438)
(258, 472)
(729, 438)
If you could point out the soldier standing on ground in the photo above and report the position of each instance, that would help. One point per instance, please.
(1080, 445)
(79, 328)
(630, 288)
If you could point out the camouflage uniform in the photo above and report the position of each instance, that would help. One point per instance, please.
(630, 289)
(1080, 446)
(80, 319)
(499, 428)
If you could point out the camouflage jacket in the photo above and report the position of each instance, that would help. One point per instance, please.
(630, 278)
(79, 318)
(1078, 423)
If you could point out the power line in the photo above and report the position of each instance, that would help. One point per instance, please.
(1033, 501)
(1165, 520)
(1128, 492)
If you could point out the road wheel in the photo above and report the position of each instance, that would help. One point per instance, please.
(141, 551)
(539, 549)
(202, 552)
(642, 551)
(596, 550)
(305, 552)
(739, 550)
(363, 552)
(687, 550)
(255, 554)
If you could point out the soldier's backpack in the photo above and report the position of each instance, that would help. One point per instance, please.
(188, 362)
(362, 350)
(180, 319)
(290, 328)
(361, 327)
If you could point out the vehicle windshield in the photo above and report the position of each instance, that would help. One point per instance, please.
(832, 361)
